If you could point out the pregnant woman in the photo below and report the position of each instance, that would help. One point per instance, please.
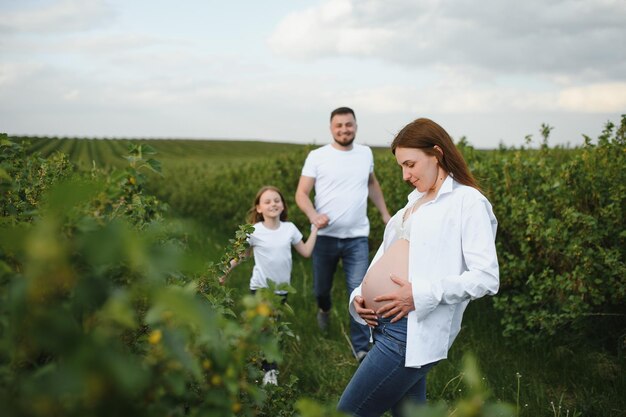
(438, 253)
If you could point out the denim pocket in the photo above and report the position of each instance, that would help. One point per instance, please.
(392, 336)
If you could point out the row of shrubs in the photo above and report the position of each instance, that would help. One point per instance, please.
(561, 237)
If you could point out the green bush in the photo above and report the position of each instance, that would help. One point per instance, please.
(560, 236)
(24, 178)
(104, 310)
(561, 239)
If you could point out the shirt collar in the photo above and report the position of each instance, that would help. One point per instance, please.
(446, 187)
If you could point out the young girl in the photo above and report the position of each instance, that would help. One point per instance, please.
(271, 244)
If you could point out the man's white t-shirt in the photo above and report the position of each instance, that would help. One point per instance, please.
(341, 188)
(272, 254)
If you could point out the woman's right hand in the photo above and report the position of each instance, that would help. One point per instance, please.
(366, 314)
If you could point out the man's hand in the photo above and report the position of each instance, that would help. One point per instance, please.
(400, 302)
(320, 221)
(365, 313)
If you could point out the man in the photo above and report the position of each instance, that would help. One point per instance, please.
(343, 176)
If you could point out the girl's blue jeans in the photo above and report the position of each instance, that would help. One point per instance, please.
(382, 382)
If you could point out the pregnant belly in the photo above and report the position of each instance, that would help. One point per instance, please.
(394, 261)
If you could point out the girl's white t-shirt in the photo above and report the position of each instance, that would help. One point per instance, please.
(272, 254)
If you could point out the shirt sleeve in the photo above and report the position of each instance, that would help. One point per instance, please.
(309, 169)
(481, 276)
(251, 239)
(296, 235)
(355, 292)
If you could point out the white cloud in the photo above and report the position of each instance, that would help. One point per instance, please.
(572, 37)
(72, 95)
(595, 98)
(440, 98)
(504, 56)
(330, 29)
(12, 73)
(491, 72)
(58, 16)
(114, 43)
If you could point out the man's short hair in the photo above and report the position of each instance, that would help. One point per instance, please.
(342, 110)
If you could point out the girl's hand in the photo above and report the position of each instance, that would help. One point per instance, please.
(365, 313)
(233, 263)
(320, 221)
(400, 302)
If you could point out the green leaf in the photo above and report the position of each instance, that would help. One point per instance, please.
(5, 175)
(154, 165)
(119, 309)
(147, 149)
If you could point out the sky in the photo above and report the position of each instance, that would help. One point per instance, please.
(492, 71)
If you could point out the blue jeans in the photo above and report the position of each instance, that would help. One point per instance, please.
(382, 382)
(354, 253)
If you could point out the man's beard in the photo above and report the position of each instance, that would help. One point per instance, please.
(345, 144)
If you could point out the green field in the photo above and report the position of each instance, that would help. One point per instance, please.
(561, 361)
(171, 152)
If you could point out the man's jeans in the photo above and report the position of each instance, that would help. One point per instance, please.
(382, 382)
(354, 253)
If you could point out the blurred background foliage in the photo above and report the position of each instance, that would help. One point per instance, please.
(101, 312)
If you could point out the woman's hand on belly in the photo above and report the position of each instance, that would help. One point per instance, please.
(365, 313)
(399, 303)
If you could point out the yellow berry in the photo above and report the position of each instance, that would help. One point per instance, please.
(216, 379)
(155, 337)
(263, 310)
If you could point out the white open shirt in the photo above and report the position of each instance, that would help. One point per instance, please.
(452, 260)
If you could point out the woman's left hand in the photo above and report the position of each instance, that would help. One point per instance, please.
(400, 302)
